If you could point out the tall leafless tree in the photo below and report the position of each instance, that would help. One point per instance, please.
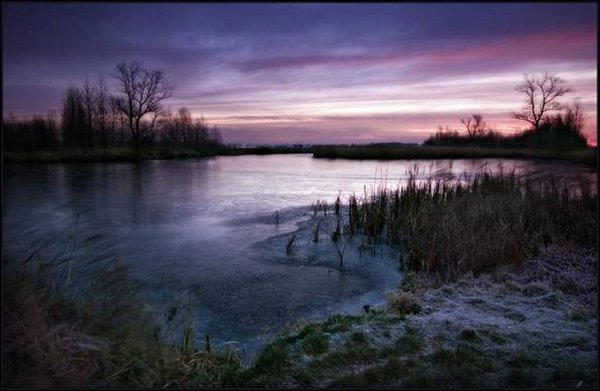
(101, 103)
(143, 91)
(541, 94)
(74, 118)
(215, 136)
(574, 116)
(88, 91)
(184, 123)
(118, 122)
(475, 125)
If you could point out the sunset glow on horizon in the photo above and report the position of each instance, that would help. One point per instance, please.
(311, 73)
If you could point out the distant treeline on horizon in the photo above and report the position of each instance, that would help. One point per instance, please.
(562, 131)
(134, 116)
(94, 117)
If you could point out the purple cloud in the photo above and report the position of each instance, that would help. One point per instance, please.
(312, 72)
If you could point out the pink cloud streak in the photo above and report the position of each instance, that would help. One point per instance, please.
(577, 44)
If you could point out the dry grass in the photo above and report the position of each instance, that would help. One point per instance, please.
(403, 302)
(40, 347)
(448, 228)
(50, 340)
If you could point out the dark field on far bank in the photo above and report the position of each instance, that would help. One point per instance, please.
(586, 156)
(385, 152)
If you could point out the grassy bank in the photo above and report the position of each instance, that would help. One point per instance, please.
(124, 154)
(103, 339)
(587, 156)
(382, 152)
(531, 327)
(264, 150)
(129, 154)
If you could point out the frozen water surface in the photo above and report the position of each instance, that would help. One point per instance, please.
(204, 232)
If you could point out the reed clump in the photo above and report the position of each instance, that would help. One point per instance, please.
(403, 302)
(320, 206)
(451, 227)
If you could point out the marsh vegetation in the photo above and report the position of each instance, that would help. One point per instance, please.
(472, 224)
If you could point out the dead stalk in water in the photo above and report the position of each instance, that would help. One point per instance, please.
(290, 243)
(340, 254)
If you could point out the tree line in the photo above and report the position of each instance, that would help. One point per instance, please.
(132, 116)
(552, 124)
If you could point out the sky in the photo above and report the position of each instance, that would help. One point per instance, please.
(310, 73)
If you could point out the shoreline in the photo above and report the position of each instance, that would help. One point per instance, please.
(586, 157)
(128, 154)
(511, 327)
(532, 325)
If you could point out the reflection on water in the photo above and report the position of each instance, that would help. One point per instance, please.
(205, 229)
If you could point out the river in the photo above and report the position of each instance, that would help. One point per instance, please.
(213, 232)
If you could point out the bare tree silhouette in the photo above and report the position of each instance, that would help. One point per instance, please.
(118, 119)
(475, 125)
(102, 109)
(541, 93)
(74, 117)
(143, 91)
(88, 91)
(93, 116)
